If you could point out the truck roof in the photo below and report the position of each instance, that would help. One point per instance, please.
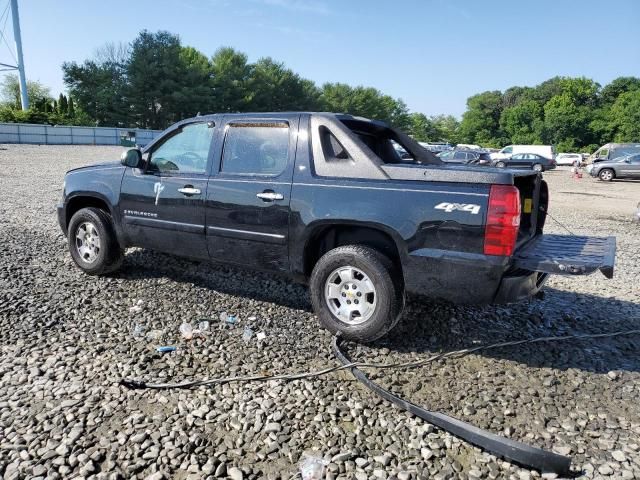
(338, 116)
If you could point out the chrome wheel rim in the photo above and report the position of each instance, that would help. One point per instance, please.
(350, 295)
(606, 175)
(537, 167)
(501, 165)
(87, 242)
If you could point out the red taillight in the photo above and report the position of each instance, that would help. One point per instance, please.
(503, 220)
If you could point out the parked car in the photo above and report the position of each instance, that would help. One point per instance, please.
(466, 156)
(620, 167)
(324, 199)
(569, 159)
(436, 147)
(547, 151)
(532, 161)
(611, 151)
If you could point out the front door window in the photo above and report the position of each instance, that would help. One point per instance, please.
(187, 151)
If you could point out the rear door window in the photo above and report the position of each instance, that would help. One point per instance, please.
(256, 148)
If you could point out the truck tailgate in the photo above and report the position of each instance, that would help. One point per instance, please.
(567, 255)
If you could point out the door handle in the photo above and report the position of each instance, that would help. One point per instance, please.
(269, 196)
(188, 190)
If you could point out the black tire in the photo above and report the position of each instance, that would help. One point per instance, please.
(606, 174)
(109, 256)
(501, 164)
(388, 290)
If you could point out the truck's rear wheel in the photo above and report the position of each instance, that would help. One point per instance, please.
(92, 242)
(355, 290)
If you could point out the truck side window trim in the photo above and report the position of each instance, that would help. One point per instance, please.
(273, 154)
(333, 150)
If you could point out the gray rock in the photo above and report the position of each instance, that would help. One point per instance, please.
(235, 473)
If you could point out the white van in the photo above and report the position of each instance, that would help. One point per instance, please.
(547, 151)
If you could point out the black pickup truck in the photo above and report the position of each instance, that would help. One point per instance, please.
(327, 200)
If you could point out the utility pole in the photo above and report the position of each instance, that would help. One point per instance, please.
(24, 98)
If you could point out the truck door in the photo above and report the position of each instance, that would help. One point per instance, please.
(247, 208)
(162, 206)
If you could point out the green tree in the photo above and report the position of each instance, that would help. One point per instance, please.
(154, 80)
(523, 123)
(448, 127)
(481, 122)
(514, 95)
(617, 87)
(71, 110)
(10, 91)
(63, 105)
(566, 124)
(548, 89)
(625, 117)
(422, 128)
(231, 72)
(195, 93)
(364, 101)
(274, 87)
(100, 90)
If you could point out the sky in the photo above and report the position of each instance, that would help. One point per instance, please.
(433, 54)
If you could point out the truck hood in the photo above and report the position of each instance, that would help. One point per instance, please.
(455, 173)
(97, 166)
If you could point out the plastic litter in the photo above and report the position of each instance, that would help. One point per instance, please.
(260, 336)
(166, 349)
(154, 334)
(312, 468)
(247, 334)
(231, 319)
(138, 330)
(187, 331)
(138, 307)
(203, 326)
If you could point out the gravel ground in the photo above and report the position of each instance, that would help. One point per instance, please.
(68, 339)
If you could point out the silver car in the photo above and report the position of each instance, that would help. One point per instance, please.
(621, 167)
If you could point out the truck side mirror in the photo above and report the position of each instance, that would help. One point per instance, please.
(132, 158)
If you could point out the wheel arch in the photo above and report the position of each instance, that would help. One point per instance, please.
(84, 200)
(614, 174)
(325, 236)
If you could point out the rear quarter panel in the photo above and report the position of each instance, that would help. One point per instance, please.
(416, 214)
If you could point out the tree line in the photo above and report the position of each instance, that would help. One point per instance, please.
(155, 81)
(571, 113)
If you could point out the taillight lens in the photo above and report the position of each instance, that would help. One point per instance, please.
(503, 220)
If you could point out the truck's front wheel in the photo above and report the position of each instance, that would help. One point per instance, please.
(92, 242)
(356, 290)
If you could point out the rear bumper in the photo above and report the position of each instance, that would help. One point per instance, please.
(471, 278)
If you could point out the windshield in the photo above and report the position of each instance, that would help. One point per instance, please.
(624, 151)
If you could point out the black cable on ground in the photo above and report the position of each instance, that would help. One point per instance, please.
(517, 452)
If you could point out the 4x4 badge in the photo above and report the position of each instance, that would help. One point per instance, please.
(463, 207)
